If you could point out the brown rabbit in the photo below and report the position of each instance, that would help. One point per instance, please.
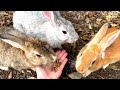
(102, 50)
(23, 52)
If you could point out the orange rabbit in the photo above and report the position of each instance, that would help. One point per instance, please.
(102, 50)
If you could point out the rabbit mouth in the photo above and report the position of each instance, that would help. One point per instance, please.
(70, 41)
(88, 72)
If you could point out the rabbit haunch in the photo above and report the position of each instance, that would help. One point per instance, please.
(22, 52)
(47, 26)
(107, 39)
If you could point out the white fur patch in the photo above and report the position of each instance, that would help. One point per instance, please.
(78, 62)
(103, 55)
(87, 73)
(105, 66)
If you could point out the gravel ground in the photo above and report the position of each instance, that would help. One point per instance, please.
(86, 24)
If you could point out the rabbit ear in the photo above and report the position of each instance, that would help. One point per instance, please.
(108, 40)
(57, 13)
(14, 32)
(12, 40)
(49, 15)
(101, 33)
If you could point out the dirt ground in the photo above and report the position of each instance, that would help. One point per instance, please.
(87, 24)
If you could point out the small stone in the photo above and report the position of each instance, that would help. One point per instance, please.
(31, 78)
(89, 26)
(75, 75)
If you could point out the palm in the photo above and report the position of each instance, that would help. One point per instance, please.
(44, 72)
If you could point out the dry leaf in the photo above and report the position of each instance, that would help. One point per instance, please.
(108, 17)
(90, 27)
(31, 78)
(113, 24)
(98, 20)
(87, 20)
(90, 14)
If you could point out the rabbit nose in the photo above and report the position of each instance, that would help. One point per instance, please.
(81, 70)
(75, 38)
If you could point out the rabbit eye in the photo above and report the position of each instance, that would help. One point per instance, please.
(64, 32)
(38, 55)
(93, 62)
(81, 54)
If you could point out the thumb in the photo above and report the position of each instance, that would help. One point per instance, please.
(40, 72)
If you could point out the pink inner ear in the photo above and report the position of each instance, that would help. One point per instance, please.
(49, 16)
(47, 13)
(112, 39)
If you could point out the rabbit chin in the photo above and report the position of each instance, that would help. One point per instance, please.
(87, 73)
(70, 40)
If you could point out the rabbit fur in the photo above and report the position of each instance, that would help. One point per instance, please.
(47, 26)
(19, 51)
(102, 50)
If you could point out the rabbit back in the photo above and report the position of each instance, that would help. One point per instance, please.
(27, 20)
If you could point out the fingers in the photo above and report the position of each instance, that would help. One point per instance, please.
(60, 69)
(63, 63)
(60, 54)
(63, 57)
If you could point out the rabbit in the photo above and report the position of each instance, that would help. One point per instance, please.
(102, 50)
(47, 26)
(20, 51)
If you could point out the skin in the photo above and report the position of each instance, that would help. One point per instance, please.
(45, 73)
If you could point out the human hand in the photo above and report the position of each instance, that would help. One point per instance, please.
(43, 72)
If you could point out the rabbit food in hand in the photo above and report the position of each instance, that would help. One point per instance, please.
(102, 50)
(23, 52)
(47, 26)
